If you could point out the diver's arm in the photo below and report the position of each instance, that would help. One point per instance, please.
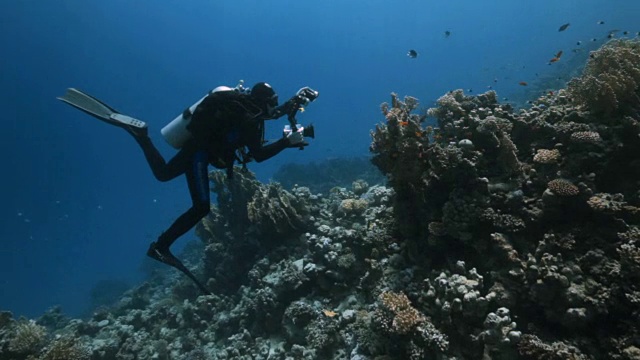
(289, 107)
(301, 98)
(264, 152)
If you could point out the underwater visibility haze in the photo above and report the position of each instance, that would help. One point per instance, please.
(471, 189)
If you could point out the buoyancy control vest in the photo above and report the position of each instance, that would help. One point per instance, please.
(226, 99)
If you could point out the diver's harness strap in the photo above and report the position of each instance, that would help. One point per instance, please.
(241, 154)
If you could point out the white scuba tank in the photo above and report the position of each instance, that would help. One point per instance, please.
(176, 132)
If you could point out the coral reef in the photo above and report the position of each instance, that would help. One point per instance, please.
(328, 174)
(501, 234)
(554, 232)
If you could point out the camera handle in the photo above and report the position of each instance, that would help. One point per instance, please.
(302, 98)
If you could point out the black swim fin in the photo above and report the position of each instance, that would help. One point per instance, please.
(190, 275)
(166, 257)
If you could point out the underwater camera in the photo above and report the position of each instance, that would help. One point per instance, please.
(307, 131)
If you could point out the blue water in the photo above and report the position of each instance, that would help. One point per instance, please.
(79, 203)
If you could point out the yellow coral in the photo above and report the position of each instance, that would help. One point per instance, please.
(405, 316)
(586, 137)
(606, 203)
(353, 206)
(544, 156)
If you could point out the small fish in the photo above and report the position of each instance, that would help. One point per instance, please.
(564, 27)
(594, 39)
(523, 83)
(505, 99)
(495, 80)
(601, 22)
(447, 33)
(610, 36)
(555, 59)
(489, 87)
(625, 33)
(550, 93)
(470, 90)
(575, 51)
(412, 54)
(558, 54)
(579, 43)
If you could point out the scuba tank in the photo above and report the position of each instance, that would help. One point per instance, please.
(176, 132)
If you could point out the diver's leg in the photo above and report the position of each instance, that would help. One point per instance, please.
(198, 181)
(162, 170)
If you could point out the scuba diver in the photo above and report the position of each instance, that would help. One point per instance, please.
(225, 126)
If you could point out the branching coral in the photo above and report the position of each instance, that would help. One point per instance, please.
(65, 348)
(28, 337)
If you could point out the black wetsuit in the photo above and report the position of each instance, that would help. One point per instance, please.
(220, 125)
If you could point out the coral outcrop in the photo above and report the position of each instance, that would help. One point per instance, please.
(611, 79)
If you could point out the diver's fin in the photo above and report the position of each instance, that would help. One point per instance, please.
(167, 257)
(190, 275)
(98, 109)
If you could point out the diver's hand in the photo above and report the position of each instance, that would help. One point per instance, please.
(295, 137)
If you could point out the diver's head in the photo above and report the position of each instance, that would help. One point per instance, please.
(265, 97)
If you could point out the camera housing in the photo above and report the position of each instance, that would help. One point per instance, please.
(309, 131)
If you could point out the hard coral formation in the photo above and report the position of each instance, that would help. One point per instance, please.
(501, 234)
(563, 187)
(611, 78)
(544, 156)
(546, 228)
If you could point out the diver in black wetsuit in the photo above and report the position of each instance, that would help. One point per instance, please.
(221, 124)
(225, 126)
